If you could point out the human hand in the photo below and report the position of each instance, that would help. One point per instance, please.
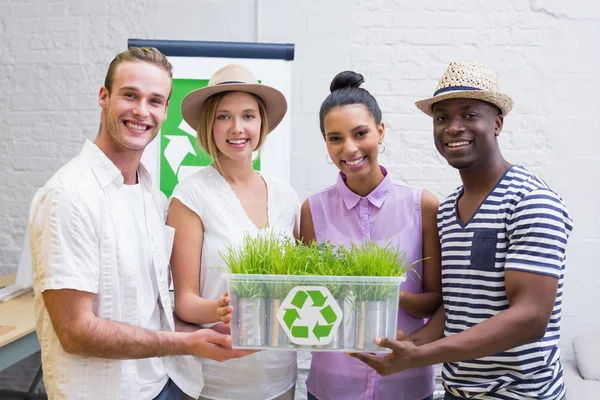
(208, 343)
(402, 356)
(224, 310)
(401, 335)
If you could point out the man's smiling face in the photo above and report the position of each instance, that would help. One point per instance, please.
(465, 131)
(136, 106)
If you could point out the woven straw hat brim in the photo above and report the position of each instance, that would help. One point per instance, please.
(502, 101)
(275, 102)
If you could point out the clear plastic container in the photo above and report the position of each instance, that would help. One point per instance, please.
(314, 313)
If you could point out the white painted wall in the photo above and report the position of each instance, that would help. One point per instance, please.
(54, 54)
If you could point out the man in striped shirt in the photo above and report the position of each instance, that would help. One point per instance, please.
(503, 236)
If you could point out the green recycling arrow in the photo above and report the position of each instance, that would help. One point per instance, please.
(300, 331)
(291, 314)
(299, 299)
(317, 298)
(321, 331)
(329, 314)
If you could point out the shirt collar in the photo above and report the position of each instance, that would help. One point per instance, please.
(106, 171)
(376, 197)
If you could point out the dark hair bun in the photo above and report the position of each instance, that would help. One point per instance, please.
(346, 79)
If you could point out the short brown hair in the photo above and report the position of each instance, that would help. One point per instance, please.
(204, 130)
(138, 54)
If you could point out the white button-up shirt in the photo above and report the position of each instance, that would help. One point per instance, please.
(77, 242)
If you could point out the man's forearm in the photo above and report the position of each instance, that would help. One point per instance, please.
(432, 330)
(115, 340)
(504, 331)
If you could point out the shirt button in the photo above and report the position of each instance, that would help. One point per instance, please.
(364, 223)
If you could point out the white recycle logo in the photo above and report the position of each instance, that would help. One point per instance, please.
(309, 315)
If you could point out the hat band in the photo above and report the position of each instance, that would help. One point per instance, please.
(454, 89)
(228, 82)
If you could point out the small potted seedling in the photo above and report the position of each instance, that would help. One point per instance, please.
(283, 261)
(325, 259)
(249, 296)
(375, 300)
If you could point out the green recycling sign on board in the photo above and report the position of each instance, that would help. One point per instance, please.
(309, 315)
(180, 155)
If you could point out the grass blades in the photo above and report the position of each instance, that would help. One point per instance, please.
(274, 254)
(370, 259)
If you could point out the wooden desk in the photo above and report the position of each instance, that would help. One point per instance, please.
(21, 341)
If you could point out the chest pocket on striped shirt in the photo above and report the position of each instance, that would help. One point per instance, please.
(483, 249)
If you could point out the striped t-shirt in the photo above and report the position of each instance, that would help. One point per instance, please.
(522, 225)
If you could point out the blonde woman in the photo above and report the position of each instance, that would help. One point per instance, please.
(215, 208)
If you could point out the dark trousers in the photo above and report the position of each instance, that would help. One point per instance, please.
(311, 397)
(170, 392)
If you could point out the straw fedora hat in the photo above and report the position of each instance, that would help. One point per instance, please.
(234, 78)
(468, 80)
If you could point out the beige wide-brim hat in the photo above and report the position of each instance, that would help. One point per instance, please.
(234, 78)
(468, 80)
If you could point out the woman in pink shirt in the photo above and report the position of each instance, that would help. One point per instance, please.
(366, 204)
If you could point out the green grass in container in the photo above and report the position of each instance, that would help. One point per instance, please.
(285, 262)
(248, 259)
(273, 254)
(369, 259)
(325, 259)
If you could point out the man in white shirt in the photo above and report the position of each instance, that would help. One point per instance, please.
(100, 251)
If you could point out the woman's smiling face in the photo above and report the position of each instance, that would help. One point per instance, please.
(237, 125)
(353, 139)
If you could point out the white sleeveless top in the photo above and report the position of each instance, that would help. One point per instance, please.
(266, 374)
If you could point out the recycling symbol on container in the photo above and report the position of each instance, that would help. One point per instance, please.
(310, 315)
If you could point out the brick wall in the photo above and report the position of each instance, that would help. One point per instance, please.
(54, 55)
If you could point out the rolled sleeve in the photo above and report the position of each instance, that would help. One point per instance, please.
(538, 232)
(64, 243)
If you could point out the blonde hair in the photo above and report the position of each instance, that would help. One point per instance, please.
(205, 137)
(138, 54)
